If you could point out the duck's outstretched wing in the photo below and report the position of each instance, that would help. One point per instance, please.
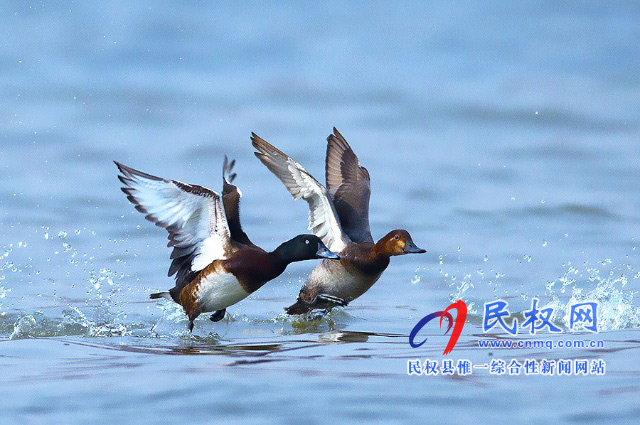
(231, 200)
(350, 188)
(192, 215)
(323, 220)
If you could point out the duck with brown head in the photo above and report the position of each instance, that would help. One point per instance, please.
(398, 242)
(339, 215)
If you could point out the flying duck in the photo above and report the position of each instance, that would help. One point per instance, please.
(339, 215)
(215, 263)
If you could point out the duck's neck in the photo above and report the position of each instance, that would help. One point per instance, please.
(380, 251)
(377, 259)
(284, 255)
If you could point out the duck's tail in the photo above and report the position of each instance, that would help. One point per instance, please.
(157, 295)
(300, 307)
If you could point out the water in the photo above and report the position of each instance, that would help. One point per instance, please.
(504, 137)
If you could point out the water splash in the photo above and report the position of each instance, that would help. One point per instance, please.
(617, 309)
(24, 327)
(3, 294)
(604, 282)
(71, 322)
(92, 303)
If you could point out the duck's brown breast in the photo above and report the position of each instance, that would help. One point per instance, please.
(253, 267)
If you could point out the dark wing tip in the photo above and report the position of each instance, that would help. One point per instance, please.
(265, 147)
(256, 140)
(338, 139)
(227, 167)
(122, 168)
(128, 172)
(125, 175)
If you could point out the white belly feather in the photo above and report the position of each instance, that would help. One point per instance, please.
(218, 291)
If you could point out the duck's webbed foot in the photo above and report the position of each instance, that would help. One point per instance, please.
(327, 301)
(320, 302)
(322, 305)
(218, 315)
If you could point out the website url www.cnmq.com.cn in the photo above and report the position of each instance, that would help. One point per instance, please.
(507, 344)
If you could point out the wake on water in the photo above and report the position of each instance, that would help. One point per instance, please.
(72, 294)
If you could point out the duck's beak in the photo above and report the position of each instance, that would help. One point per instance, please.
(411, 248)
(323, 252)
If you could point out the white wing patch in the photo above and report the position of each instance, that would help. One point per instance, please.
(323, 220)
(211, 249)
(193, 216)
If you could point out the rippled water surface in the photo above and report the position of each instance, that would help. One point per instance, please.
(505, 138)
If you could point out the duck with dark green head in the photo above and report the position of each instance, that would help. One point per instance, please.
(215, 263)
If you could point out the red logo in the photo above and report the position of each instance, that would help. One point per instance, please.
(461, 316)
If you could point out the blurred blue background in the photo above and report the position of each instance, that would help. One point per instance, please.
(504, 135)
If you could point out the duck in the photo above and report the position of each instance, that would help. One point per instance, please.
(339, 216)
(214, 262)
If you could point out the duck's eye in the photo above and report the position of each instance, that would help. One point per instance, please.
(396, 237)
(306, 241)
